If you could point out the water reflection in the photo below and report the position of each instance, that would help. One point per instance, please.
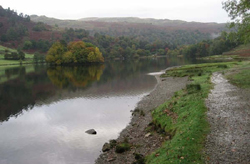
(80, 76)
(45, 111)
(56, 133)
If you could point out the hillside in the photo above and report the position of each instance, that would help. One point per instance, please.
(242, 51)
(17, 30)
(119, 26)
(116, 37)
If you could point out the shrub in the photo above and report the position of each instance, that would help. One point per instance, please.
(122, 147)
(192, 88)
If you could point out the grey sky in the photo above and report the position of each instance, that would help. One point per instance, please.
(189, 10)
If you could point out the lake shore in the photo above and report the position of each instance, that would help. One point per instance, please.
(177, 134)
(141, 141)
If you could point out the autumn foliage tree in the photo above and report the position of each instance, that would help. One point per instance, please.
(74, 52)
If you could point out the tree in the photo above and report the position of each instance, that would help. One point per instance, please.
(40, 26)
(91, 57)
(161, 52)
(239, 11)
(68, 57)
(55, 53)
(21, 55)
(27, 45)
(78, 49)
(99, 57)
(38, 57)
(74, 52)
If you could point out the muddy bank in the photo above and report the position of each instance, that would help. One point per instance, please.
(229, 117)
(141, 141)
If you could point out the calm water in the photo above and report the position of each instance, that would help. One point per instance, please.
(45, 111)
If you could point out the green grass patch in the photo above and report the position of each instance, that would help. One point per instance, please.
(2, 49)
(184, 116)
(242, 52)
(28, 57)
(220, 57)
(198, 70)
(241, 78)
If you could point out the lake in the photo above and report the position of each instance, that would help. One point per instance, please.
(45, 111)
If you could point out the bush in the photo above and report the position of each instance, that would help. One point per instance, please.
(11, 56)
(122, 147)
(192, 88)
(139, 159)
(14, 55)
(222, 66)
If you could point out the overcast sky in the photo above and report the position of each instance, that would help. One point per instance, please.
(188, 10)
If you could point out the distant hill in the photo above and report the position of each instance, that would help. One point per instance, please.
(118, 26)
(116, 37)
(159, 22)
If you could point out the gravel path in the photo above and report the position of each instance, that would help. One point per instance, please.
(135, 131)
(229, 117)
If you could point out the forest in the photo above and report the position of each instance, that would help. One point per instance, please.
(18, 31)
(238, 35)
(124, 38)
(206, 48)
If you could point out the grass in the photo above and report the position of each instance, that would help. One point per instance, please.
(183, 117)
(221, 57)
(28, 57)
(241, 52)
(2, 49)
(241, 78)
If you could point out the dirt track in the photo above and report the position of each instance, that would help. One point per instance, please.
(229, 117)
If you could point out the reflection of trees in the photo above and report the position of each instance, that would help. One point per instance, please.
(24, 91)
(79, 76)
(24, 87)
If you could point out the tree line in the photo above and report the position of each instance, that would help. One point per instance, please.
(144, 42)
(239, 12)
(16, 29)
(206, 48)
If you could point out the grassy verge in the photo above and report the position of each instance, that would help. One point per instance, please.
(221, 57)
(183, 118)
(241, 78)
(241, 52)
